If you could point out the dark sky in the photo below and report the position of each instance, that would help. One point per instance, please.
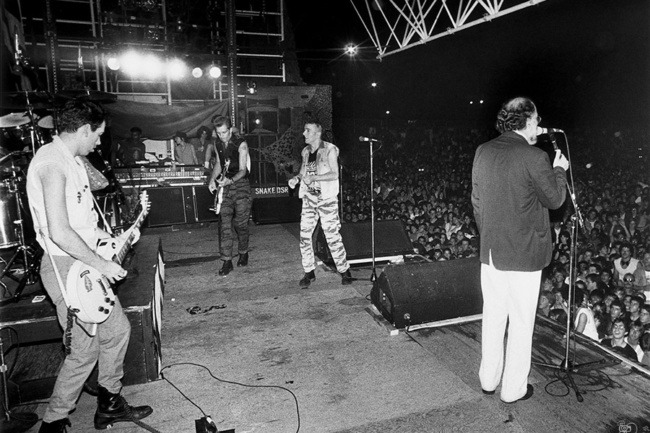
(584, 62)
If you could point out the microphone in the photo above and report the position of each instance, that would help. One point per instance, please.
(362, 138)
(541, 130)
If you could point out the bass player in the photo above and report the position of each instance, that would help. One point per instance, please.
(66, 226)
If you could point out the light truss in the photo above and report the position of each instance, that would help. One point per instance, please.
(397, 25)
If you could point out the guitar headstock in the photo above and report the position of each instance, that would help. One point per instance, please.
(144, 202)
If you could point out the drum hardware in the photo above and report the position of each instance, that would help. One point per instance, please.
(108, 206)
(30, 255)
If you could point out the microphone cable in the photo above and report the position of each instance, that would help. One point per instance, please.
(226, 381)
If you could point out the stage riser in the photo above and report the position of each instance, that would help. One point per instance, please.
(416, 293)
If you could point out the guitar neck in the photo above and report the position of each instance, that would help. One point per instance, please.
(119, 257)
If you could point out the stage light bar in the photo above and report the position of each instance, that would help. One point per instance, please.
(148, 65)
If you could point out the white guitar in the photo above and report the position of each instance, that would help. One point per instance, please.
(89, 293)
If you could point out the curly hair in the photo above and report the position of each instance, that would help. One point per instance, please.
(75, 114)
(514, 113)
(207, 130)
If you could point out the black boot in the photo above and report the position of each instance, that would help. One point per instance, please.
(226, 268)
(346, 278)
(243, 260)
(58, 426)
(112, 408)
(307, 279)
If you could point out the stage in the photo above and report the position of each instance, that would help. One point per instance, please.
(327, 347)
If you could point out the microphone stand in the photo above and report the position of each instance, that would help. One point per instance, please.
(566, 366)
(373, 275)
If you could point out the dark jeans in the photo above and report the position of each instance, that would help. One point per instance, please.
(235, 213)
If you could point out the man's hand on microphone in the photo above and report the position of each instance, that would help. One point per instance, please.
(560, 160)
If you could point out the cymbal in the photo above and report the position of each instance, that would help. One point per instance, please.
(46, 122)
(12, 120)
(20, 99)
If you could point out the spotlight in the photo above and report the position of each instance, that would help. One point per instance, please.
(373, 84)
(215, 71)
(351, 49)
(176, 69)
(151, 66)
(131, 63)
(197, 72)
(258, 121)
(251, 87)
(387, 111)
(113, 63)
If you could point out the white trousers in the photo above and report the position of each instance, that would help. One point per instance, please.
(509, 298)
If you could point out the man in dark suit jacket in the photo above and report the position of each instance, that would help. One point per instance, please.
(513, 187)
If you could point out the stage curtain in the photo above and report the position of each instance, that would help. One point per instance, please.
(159, 121)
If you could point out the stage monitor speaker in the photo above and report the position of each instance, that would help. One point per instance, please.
(275, 210)
(203, 201)
(391, 240)
(167, 206)
(415, 293)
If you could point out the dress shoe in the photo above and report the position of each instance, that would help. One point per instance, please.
(307, 279)
(529, 394)
(226, 268)
(346, 278)
(243, 260)
(58, 426)
(488, 392)
(112, 408)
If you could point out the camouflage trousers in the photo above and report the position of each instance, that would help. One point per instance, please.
(327, 210)
(235, 213)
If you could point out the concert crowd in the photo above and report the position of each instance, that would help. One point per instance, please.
(423, 178)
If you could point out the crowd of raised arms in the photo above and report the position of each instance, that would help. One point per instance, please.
(423, 177)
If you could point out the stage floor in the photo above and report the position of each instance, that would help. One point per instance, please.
(258, 328)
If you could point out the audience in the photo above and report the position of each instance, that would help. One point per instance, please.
(423, 178)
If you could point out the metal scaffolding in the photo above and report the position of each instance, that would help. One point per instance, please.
(395, 26)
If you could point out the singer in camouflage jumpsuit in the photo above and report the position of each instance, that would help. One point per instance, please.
(319, 187)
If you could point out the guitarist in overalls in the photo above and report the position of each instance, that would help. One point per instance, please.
(66, 226)
(235, 207)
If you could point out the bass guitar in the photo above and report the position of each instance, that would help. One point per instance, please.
(218, 197)
(89, 294)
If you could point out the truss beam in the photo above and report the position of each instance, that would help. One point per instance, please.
(397, 25)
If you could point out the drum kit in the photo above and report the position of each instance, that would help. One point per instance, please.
(16, 229)
(21, 134)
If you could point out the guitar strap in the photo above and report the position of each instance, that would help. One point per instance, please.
(92, 330)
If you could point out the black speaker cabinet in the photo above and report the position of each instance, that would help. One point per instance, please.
(180, 205)
(391, 241)
(203, 200)
(167, 206)
(415, 293)
(276, 210)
